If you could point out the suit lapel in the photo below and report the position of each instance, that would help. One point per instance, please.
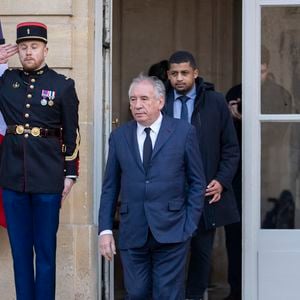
(166, 130)
(131, 138)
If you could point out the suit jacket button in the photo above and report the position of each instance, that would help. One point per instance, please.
(147, 181)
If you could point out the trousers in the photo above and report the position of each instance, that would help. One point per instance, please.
(155, 271)
(32, 223)
(200, 263)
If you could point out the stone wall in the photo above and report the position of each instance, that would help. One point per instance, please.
(71, 51)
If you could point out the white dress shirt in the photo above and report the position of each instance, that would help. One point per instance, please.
(141, 134)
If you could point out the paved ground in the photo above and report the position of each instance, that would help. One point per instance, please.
(214, 293)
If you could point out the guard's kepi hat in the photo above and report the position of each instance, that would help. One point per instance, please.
(31, 31)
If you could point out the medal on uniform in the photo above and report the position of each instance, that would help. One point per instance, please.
(16, 85)
(51, 98)
(44, 102)
(44, 96)
(50, 95)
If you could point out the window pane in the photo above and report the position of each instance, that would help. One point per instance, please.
(280, 67)
(280, 175)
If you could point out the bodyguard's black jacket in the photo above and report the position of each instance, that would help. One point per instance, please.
(219, 149)
(43, 99)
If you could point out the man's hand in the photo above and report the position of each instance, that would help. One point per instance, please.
(233, 107)
(107, 246)
(67, 188)
(214, 189)
(6, 51)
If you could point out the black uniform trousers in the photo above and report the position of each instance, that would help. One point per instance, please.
(234, 243)
(200, 262)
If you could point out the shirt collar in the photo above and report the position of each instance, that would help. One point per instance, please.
(155, 126)
(191, 94)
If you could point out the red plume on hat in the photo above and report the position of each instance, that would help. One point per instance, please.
(31, 31)
(2, 40)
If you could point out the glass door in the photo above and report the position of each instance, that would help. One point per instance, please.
(271, 149)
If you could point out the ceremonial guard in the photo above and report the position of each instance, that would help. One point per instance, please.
(39, 161)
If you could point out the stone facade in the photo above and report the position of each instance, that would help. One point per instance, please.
(71, 52)
(212, 33)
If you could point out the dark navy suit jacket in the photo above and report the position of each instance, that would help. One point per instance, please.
(168, 199)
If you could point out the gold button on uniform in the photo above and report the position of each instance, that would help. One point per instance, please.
(29, 96)
(32, 80)
(26, 115)
(26, 125)
(31, 86)
(26, 135)
(27, 105)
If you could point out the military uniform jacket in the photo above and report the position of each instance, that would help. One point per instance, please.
(42, 99)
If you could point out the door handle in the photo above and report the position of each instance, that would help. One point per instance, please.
(115, 122)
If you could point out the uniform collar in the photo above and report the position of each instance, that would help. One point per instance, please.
(38, 72)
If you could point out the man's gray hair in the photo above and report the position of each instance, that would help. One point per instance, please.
(159, 88)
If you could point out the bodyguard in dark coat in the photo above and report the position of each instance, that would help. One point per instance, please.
(39, 162)
(207, 110)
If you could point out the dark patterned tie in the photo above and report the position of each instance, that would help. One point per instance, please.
(147, 150)
(184, 110)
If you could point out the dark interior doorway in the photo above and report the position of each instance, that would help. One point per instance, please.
(145, 32)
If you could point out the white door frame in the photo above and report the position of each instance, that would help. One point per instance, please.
(252, 234)
(102, 122)
(250, 145)
(98, 127)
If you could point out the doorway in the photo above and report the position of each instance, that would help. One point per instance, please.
(271, 148)
(146, 32)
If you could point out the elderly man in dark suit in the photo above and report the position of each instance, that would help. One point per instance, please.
(154, 163)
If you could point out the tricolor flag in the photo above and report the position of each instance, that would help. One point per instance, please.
(3, 67)
(2, 133)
